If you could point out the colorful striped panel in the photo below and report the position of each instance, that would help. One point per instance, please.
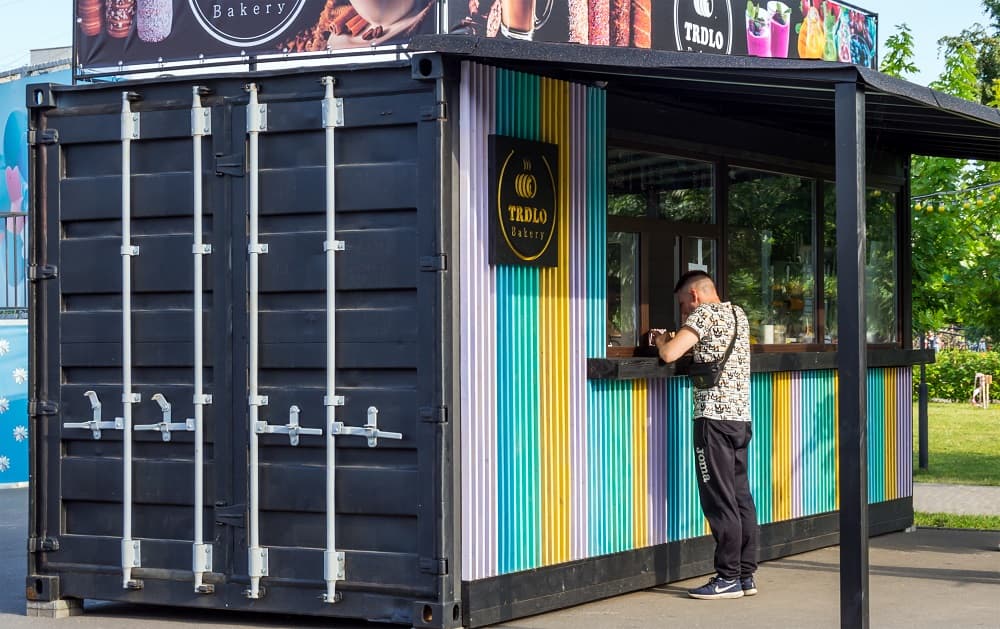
(556, 467)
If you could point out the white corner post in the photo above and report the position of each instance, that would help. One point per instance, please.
(131, 555)
(333, 561)
(201, 553)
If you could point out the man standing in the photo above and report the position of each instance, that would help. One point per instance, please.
(722, 431)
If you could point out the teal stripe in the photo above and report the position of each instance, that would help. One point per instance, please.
(828, 458)
(684, 515)
(876, 435)
(597, 240)
(762, 444)
(808, 418)
(609, 466)
(519, 485)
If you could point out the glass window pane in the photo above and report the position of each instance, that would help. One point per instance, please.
(623, 289)
(642, 183)
(770, 254)
(881, 293)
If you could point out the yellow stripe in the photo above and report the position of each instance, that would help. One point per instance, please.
(782, 462)
(640, 511)
(553, 327)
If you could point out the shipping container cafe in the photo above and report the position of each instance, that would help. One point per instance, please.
(370, 341)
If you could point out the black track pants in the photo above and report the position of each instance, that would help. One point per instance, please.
(720, 450)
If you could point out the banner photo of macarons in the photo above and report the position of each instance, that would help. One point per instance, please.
(116, 33)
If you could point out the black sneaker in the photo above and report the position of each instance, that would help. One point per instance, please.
(749, 585)
(717, 587)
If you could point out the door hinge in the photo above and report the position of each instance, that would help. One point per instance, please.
(433, 566)
(231, 165)
(437, 111)
(434, 414)
(231, 515)
(43, 136)
(434, 263)
(42, 544)
(42, 272)
(42, 407)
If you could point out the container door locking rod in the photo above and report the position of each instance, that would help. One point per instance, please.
(257, 559)
(131, 552)
(333, 560)
(201, 553)
(256, 556)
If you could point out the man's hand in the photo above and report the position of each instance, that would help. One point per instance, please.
(671, 346)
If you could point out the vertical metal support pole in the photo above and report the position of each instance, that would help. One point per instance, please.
(922, 409)
(257, 556)
(201, 553)
(130, 547)
(852, 360)
(333, 561)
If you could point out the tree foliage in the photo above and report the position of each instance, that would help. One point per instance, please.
(956, 238)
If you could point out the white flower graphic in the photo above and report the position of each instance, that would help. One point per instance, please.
(20, 433)
(20, 375)
(4, 347)
(4, 405)
(4, 464)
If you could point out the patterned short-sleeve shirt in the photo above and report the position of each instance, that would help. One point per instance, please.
(714, 325)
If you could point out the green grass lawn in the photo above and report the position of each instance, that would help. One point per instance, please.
(963, 444)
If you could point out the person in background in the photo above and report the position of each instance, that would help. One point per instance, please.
(722, 431)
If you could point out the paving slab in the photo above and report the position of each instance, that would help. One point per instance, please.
(929, 578)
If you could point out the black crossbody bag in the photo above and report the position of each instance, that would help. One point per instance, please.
(707, 375)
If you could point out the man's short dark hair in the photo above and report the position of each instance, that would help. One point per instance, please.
(690, 277)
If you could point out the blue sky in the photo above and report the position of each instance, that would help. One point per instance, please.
(27, 24)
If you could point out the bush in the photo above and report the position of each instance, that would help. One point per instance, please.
(953, 376)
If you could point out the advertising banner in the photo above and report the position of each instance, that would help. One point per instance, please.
(13, 403)
(131, 32)
(806, 29)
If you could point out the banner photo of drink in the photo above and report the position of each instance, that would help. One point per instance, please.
(810, 29)
(116, 33)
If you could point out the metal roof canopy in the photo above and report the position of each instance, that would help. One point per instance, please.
(900, 116)
(853, 106)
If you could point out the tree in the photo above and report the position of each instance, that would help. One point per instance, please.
(956, 239)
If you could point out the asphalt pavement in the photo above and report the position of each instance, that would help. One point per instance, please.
(929, 578)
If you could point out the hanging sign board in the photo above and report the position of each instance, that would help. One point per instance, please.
(110, 33)
(797, 29)
(524, 189)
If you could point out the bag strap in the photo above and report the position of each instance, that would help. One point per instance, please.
(736, 329)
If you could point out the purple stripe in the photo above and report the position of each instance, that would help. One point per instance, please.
(657, 461)
(578, 321)
(796, 419)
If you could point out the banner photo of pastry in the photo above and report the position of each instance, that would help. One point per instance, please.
(620, 23)
(345, 24)
(90, 16)
(155, 19)
(119, 16)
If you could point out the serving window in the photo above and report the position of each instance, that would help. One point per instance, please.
(667, 215)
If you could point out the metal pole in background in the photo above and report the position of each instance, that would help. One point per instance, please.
(922, 409)
(852, 360)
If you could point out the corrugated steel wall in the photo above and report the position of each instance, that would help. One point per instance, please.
(557, 467)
